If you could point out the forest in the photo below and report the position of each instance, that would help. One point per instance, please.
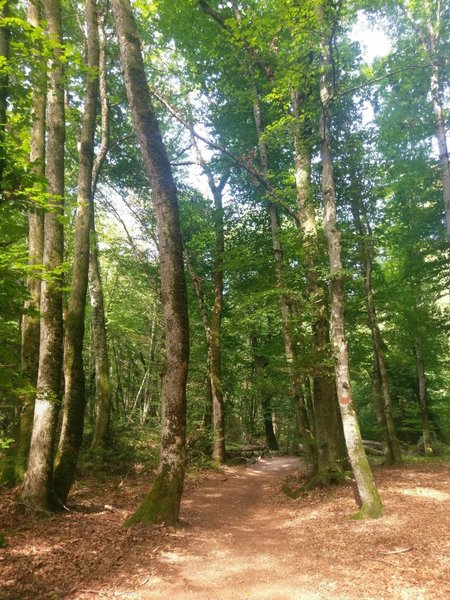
(224, 254)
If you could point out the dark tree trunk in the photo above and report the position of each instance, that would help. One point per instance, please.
(74, 398)
(38, 479)
(261, 364)
(163, 501)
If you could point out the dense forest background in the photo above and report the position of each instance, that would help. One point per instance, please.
(252, 99)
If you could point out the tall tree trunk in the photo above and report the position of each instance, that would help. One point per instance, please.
(329, 434)
(163, 501)
(4, 85)
(75, 397)
(103, 390)
(29, 350)
(441, 137)
(38, 479)
(290, 350)
(216, 323)
(392, 449)
(422, 389)
(367, 490)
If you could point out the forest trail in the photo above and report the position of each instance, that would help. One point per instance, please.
(241, 538)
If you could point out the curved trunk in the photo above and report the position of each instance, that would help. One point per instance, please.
(163, 501)
(37, 485)
(74, 399)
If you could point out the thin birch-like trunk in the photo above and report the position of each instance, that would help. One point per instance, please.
(75, 394)
(163, 501)
(422, 393)
(37, 486)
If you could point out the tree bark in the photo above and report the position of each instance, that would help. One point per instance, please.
(266, 404)
(368, 494)
(163, 501)
(4, 85)
(29, 349)
(422, 389)
(329, 436)
(75, 397)
(392, 447)
(103, 390)
(37, 486)
(290, 350)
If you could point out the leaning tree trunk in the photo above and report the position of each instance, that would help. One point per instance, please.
(37, 487)
(367, 490)
(329, 436)
(163, 501)
(29, 349)
(75, 398)
(103, 389)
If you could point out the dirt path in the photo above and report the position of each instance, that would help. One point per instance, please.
(243, 539)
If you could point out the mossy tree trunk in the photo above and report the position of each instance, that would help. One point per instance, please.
(163, 501)
(38, 480)
(329, 435)
(74, 399)
(370, 504)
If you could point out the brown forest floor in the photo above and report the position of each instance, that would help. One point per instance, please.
(241, 539)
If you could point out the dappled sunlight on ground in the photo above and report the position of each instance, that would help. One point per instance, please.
(242, 539)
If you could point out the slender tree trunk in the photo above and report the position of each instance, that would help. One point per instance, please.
(29, 351)
(216, 323)
(441, 137)
(38, 480)
(266, 404)
(422, 389)
(367, 491)
(4, 85)
(163, 502)
(290, 350)
(103, 390)
(392, 449)
(75, 396)
(329, 435)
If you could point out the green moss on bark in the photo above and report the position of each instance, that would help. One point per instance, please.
(162, 505)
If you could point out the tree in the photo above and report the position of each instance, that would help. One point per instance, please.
(38, 480)
(74, 398)
(368, 494)
(163, 501)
